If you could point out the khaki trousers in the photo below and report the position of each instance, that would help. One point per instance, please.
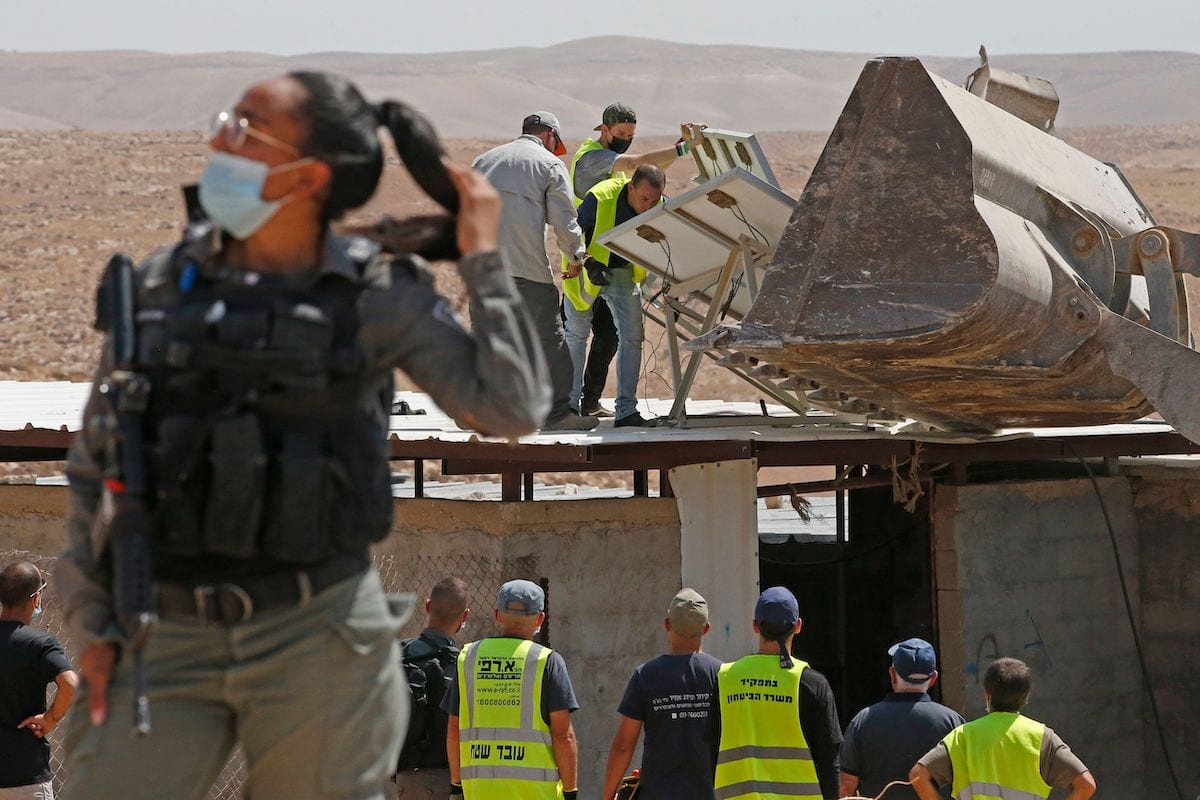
(314, 695)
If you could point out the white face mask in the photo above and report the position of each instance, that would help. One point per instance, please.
(231, 193)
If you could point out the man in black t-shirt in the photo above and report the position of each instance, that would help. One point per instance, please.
(29, 659)
(671, 697)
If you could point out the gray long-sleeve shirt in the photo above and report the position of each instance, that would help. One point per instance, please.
(492, 379)
(535, 188)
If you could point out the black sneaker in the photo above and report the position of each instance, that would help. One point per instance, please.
(636, 420)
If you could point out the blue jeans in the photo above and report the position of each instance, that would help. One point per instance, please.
(624, 298)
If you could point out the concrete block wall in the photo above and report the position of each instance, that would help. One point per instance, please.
(612, 565)
(1026, 569)
(32, 518)
(1167, 506)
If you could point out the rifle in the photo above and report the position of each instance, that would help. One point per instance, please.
(128, 391)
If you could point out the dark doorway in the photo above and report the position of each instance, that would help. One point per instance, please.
(862, 592)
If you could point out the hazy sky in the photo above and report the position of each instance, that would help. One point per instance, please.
(921, 27)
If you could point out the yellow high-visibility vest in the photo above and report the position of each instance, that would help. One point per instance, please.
(763, 753)
(505, 748)
(578, 288)
(588, 146)
(581, 291)
(998, 756)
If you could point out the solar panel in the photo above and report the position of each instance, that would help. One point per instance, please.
(722, 151)
(687, 240)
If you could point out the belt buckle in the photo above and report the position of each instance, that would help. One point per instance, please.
(207, 594)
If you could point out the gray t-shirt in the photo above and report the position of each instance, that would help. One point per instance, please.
(1057, 765)
(591, 168)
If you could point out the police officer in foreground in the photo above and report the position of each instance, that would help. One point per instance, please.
(510, 733)
(779, 724)
(1003, 754)
(269, 344)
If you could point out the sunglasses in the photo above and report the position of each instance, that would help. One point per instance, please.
(233, 131)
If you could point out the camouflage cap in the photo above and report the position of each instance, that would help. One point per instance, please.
(616, 114)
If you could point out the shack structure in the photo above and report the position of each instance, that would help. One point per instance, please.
(1052, 545)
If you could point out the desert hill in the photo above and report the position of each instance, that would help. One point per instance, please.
(484, 93)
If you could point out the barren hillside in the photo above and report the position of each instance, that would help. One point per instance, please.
(486, 93)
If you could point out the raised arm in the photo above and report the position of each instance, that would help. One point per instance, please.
(663, 157)
(493, 379)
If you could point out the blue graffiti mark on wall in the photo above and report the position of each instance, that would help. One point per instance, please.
(1039, 642)
(973, 667)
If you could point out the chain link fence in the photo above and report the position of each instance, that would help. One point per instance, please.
(400, 573)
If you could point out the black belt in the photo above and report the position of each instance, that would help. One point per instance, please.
(230, 602)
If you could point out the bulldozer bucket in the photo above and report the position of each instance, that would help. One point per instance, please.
(951, 263)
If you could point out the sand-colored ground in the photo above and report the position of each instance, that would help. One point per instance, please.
(68, 200)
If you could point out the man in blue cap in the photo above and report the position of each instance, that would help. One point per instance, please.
(779, 724)
(502, 741)
(884, 740)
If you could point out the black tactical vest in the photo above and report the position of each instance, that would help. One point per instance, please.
(266, 428)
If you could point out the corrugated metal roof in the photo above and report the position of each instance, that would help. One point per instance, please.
(58, 406)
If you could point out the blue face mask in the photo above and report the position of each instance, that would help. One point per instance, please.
(231, 193)
(37, 612)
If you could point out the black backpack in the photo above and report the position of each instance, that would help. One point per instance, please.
(429, 675)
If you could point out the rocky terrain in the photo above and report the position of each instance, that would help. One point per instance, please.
(68, 200)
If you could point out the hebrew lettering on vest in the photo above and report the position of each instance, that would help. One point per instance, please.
(494, 668)
(481, 751)
(510, 752)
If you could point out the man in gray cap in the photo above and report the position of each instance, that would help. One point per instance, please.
(498, 746)
(534, 187)
(671, 696)
(884, 740)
